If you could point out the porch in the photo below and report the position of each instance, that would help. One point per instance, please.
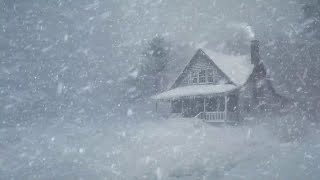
(213, 103)
(209, 109)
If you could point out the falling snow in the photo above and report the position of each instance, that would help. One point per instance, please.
(77, 77)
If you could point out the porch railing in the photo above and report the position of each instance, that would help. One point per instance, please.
(219, 116)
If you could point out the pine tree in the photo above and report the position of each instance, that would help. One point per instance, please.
(148, 75)
(156, 56)
(308, 53)
(311, 11)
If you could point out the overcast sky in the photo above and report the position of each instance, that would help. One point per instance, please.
(77, 47)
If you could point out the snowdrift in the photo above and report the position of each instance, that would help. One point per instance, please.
(173, 149)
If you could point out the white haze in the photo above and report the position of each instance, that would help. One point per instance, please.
(63, 116)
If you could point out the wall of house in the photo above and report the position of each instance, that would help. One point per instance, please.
(267, 100)
(246, 100)
(202, 63)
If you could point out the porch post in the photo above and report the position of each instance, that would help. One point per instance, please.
(156, 106)
(182, 106)
(204, 105)
(225, 107)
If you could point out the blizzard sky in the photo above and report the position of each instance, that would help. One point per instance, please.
(75, 52)
(127, 25)
(62, 68)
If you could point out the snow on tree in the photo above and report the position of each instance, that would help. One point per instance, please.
(311, 11)
(146, 78)
(308, 53)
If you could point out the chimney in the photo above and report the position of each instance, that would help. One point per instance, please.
(255, 54)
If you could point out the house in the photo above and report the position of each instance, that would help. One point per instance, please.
(217, 87)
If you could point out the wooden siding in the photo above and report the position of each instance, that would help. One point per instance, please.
(201, 62)
(266, 98)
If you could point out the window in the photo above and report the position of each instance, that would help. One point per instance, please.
(199, 107)
(211, 104)
(194, 77)
(215, 104)
(202, 76)
(210, 75)
(186, 107)
(221, 104)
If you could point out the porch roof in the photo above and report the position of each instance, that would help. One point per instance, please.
(195, 90)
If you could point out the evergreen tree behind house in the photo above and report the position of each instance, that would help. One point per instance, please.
(146, 78)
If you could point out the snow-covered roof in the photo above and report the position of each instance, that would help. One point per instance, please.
(194, 90)
(237, 67)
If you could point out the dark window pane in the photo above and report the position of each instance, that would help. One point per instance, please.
(202, 76)
(194, 77)
(186, 108)
(199, 105)
(221, 103)
(196, 105)
(211, 104)
(194, 80)
(210, 75)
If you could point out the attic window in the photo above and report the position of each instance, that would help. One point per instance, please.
(194, 77)
(210, 75)
(202, 76)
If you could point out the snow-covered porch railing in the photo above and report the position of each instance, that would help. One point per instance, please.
(218, 116)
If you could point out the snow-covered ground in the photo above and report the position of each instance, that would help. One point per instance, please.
(167, 149)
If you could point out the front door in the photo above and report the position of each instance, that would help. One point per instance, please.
(197, 106)
(192, 107)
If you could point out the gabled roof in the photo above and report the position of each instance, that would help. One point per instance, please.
(193, 60)
(236, 68)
